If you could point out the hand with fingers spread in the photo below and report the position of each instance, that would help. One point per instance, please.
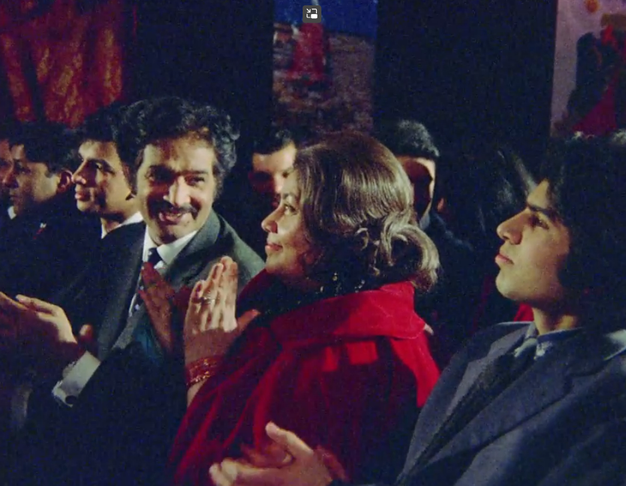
(211, 325)
(307, 467)
(39, 331)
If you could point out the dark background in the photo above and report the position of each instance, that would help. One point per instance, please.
(470, 70)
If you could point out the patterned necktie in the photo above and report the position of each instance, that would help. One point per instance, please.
(154, 258)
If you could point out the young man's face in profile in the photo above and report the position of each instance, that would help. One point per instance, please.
(30, 184)
(101, 184)
(536, 244)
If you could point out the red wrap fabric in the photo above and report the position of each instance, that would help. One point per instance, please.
(524, 313)
(347, 373)
(63, 56)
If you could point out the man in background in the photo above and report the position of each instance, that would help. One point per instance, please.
(48, 241)
(6, 163)
(251, 199)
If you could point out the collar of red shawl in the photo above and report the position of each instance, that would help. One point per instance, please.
(387, 311)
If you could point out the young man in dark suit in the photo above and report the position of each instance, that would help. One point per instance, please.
(540, 403)
(104, 188)
(118, 408)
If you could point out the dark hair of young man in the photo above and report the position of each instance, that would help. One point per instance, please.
(49, 143)
(587, 189)
(407, 137)
(103, 126)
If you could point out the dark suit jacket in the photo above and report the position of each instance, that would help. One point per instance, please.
(121, 428)
(42, 252)
(562, 423)
(86, 297)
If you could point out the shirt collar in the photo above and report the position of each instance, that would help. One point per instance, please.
(135, 218)
(167, 252)
(546, 342)
(424, 221)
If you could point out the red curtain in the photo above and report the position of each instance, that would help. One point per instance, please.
(62, 59)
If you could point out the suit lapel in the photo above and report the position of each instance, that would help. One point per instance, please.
(476, 367)
(550, 379)
(122, 288)
(190, 264)
(456, 382)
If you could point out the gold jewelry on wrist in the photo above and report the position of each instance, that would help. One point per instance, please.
(201, 370)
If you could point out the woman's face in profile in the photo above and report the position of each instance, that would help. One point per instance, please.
(287, 247)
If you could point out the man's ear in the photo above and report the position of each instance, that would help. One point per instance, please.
(65, 181)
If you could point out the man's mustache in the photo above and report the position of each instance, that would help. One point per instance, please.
(164, 206)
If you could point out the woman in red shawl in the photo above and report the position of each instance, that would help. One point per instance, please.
(335, 351)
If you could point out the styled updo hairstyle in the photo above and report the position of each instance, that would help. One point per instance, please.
(358, 213)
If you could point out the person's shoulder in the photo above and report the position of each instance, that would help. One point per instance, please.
(239, 250)
(500, 330)
(483, 341)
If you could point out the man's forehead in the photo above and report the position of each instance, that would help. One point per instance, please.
(97, 149)
(180, 154)
(278, 161)
(539, 200)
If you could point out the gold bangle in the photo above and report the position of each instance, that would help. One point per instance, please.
(201, 370)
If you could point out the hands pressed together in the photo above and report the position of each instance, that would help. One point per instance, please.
(287, 461)
(211, 325)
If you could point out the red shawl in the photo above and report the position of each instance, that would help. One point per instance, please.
(348, 373)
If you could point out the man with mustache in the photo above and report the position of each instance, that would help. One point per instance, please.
(118, 407)
(539, 403)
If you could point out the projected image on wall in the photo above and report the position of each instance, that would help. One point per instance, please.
(323, 71)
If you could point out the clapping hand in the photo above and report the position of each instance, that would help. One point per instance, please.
(299, 465)
(211, 325)
(160, 299)
(38, 331)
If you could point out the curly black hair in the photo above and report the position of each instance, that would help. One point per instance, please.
(169, 118)
(587, 187)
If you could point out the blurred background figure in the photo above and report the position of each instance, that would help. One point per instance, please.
(6, 164)
(413, 145)
(476, 192)
(254, 190)
(48, 241)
